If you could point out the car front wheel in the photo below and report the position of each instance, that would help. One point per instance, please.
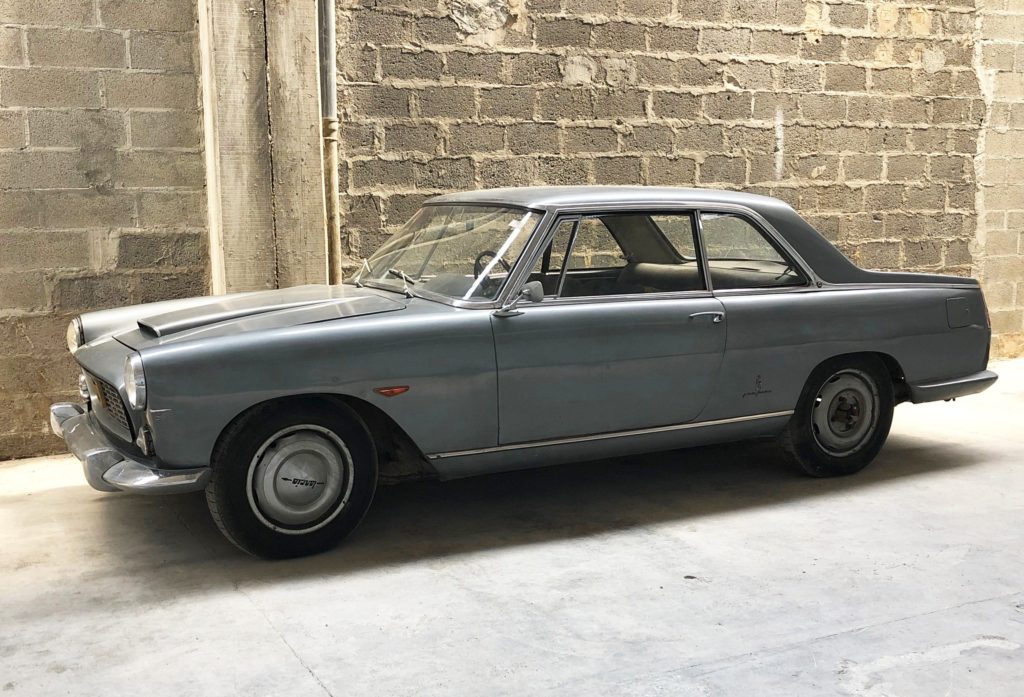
(843, 417)
(292, 479)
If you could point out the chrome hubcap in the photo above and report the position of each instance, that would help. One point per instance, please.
(845, 412)
(300, 479)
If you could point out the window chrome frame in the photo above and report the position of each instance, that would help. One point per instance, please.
(706, 292)
(548, 224)
(545, 229)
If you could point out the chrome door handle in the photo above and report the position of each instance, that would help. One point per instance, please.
(716, 317)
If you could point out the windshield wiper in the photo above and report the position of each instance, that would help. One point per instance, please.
(406, 281)
(383, 285)
(358, 280)
(402, 275)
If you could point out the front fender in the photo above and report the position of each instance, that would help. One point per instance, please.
(444, 355)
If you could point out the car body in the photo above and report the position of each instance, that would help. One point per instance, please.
(671, 317)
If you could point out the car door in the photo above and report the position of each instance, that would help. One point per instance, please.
(775, 315)
(627, 337)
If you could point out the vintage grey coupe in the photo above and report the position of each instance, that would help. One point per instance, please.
(514, 328)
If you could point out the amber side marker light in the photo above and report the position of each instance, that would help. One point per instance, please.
(391, 391)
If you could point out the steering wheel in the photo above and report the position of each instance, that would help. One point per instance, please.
(479, 263)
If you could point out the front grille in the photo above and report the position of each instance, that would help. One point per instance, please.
(110, 401)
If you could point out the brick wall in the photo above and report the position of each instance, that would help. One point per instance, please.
(101, 182)
(863, 116)
(1000, 235)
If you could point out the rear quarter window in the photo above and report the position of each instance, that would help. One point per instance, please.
(740, 256)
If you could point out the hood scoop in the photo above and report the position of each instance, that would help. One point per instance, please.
(239, 307)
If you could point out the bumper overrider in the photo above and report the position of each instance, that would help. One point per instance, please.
(108, 469)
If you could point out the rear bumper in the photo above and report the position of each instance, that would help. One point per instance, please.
(108, 469)
(951, 389)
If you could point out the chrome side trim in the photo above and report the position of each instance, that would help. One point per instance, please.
(886, 285)
(606, 436)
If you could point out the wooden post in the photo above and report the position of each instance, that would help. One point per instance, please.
(262, 131)
(300, 217)
(236, 133)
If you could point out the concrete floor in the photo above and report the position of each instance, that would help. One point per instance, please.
(706, 572)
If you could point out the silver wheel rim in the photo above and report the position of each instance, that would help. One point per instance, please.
(300, 479)
(845, 412)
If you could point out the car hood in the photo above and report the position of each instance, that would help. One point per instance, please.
(243, 312)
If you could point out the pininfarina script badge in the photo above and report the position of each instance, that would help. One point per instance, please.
(758, 388)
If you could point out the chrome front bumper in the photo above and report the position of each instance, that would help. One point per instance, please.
(106, 469)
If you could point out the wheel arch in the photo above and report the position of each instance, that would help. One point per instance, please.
(892, 366)
(399, 458)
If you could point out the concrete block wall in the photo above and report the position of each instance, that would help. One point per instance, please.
(101, 183)
(1000, 167)
(865, 116)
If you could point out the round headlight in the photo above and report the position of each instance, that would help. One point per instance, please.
(74, 335)
(135, 381)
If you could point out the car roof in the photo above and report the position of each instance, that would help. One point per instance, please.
(555, 197)
(823, 258)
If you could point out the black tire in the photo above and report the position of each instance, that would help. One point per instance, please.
(249, 499)
(843, 417)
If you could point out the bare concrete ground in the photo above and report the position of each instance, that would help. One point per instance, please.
(714, 571)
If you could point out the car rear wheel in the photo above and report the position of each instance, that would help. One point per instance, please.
(843, 417)
(292, 479)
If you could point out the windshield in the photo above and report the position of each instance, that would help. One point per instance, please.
(463, 252)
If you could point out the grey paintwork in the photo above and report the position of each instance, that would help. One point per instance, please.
(598, 377)
(559, 380)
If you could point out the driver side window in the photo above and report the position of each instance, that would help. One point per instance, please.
(582, 260)
(595, 261)
(621, 254)
(595, 248)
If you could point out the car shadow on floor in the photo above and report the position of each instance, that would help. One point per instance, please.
(424, 520)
